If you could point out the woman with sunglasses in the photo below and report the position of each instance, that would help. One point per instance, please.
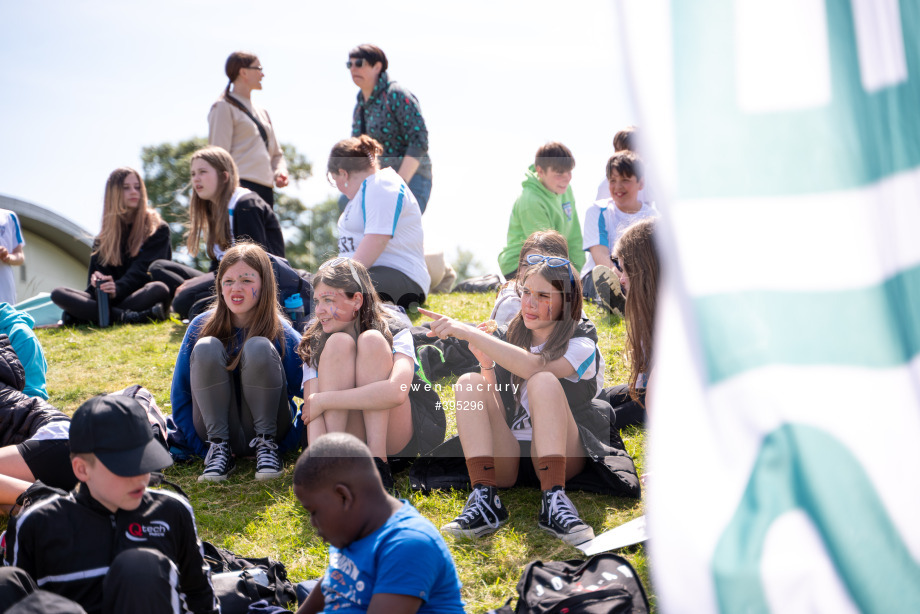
(635, 262)
(390, 114)
(381, 226)
(245, 130)
(238, 372)
(529, 416)
(359, 371)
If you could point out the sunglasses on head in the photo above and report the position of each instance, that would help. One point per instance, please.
(553, 261)
(356, 62)
(340, 260)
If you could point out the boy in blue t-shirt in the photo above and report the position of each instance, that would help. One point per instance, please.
(383, 555)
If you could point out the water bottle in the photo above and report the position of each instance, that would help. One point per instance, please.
(293, 307)
(102, 302)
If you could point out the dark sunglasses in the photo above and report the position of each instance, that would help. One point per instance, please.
(357, 62)
(553, 261)
(616, 263)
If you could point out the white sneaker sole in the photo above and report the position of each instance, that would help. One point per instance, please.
(457, 531)
(268, 475)
(574, 538)
(213, 477)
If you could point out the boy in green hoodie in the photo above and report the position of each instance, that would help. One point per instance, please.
(546, 202)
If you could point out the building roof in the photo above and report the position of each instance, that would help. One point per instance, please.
(60, 231)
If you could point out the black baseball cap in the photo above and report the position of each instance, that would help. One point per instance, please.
(115, 428)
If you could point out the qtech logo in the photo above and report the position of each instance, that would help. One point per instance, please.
(138, 532)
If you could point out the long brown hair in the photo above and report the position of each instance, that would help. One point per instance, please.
(118, 219)
(339, 273)
(565, 280)
(212, 218)
(265, 320)
(637, 255)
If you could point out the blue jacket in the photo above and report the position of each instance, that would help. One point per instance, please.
(181, 394)
(17, 325)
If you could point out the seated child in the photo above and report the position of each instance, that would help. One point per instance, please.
(33, 435)
(17, 325)
(546, 203)
(531, 405)
(359, 372)
(606, 221)
(383, 555)
(93, 545)
(627, 139)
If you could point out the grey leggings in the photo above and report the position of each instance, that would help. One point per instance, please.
(260, 408)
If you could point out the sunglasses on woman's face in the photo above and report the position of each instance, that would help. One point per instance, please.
(338, 261)
(616, 264)
(553, 261)
(357, 63)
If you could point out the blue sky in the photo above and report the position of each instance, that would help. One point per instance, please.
(86, 84)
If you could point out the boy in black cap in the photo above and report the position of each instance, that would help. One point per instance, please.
(111, 545)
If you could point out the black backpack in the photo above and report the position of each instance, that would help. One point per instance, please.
(258, 578)
(604, 584)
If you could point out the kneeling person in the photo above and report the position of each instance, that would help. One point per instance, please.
(93, 545)
(383, 555)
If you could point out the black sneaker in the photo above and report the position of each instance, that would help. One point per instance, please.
(483, 514)
(159, 312)
(219, 463)
(609, 294)
(268, 463)
(559, 516)
(386, 476)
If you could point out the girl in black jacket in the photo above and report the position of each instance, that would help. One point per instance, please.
(133, 235)
(220, 212)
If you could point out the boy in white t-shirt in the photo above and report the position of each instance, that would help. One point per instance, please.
(605, 221)
(11, 254)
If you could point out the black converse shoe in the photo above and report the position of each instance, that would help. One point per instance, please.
(559, 516)
(482, 514)
(219, 463)
(268, 463)
(609, 294)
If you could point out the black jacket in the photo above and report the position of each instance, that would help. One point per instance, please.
(131, 275)
(63, 536)
(254, 219)
(20, 415)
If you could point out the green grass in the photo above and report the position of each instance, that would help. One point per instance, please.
(264, 519)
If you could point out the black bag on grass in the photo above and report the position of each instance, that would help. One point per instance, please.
(483, 283)
(604, 584)
(258, 578)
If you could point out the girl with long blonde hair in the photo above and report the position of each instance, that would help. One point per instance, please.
(133, 236)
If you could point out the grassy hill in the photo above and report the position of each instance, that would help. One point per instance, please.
(264, 519)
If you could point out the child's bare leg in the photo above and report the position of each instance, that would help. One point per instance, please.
(482, 427)
(389, 430)
(554, 431)
(337, 372)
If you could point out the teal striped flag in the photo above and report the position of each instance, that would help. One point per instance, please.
(785, 437)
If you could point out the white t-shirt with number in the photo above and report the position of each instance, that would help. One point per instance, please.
(384, 205)
(581, 354)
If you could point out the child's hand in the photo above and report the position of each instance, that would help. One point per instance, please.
(443, 327)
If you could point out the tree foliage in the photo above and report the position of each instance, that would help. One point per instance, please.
(309, 233)
(466, 265)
